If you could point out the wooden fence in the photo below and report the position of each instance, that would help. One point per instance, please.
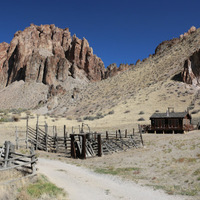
(81, 143)
(95, 144)
(10, 159)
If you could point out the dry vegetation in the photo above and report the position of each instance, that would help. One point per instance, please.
(14, 186)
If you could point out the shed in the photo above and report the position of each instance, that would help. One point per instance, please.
(170, 121)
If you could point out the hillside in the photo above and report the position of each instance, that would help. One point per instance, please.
(132, 96)
(109, 97)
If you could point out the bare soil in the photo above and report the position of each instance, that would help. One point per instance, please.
(82, 183)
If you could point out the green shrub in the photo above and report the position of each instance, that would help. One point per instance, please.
(41, 187)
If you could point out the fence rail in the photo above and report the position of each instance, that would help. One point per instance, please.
(10, 159)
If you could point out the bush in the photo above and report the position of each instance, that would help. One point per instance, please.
(141, 113)
(5, 118)
(91, 118)
(141, 119)
(16, 118)
(127, 111)
(79, 119)
(111, 112)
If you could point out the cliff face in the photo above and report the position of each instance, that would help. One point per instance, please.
(191, 72)
(47, 54)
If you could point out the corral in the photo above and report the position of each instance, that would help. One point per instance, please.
(81, 143)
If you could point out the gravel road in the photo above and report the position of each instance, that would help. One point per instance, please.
(81, 183)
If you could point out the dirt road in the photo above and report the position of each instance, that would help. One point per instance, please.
(80, 183)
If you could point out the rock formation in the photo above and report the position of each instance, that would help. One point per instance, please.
(47, 54)
(113, 70)
(191, 72)
(168, 43)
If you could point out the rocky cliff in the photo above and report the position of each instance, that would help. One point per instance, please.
(49, 55)
(191, 72)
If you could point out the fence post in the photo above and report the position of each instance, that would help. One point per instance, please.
(83, 146)
(133, 131)
(27, 132)
(73, 150)
(116, 134)
(36, 146)
(140, 130)
(126, 133)
(120, 136)
(17, 138)
(107, 135)
(7, 148)
(65, 137)
(46, 136)
(56, 142)
(33, 157)
(99, 145)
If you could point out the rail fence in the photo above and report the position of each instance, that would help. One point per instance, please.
(82, 142)
(9, 159)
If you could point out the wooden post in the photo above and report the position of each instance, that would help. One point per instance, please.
(27, 132)
(7, 148)
(116, 134)
(126, 133)
(95, 135)
(141, 138)
(99, 145)
(120, 136)
(17, 138)
(56, 142)
(46, 136)
(83, 155)
(73, 150)
(33, 162)
(37, 126)
(65, 137)
(133, 131)
(107, 135)
(53, 132)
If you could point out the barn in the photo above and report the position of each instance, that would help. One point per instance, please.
(170, 122)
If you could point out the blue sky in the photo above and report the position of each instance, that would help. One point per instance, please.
(119, 31)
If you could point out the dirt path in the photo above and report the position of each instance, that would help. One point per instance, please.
(80, 183)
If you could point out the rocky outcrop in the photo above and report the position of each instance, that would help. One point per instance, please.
(47, 54)
(165, 44)
(191, 72)
(169, 43)
(113, 70)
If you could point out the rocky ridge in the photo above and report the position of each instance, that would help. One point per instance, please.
(47, 54)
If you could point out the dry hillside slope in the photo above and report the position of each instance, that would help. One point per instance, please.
(153, 84)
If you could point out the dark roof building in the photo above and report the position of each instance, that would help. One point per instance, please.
(170, 121)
